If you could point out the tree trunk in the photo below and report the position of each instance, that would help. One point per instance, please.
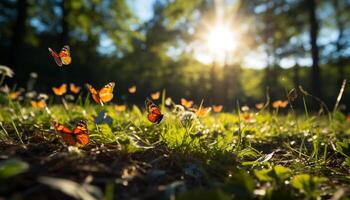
(64, 23)
(18, 33)
(315, 71)
(296, 78)
(339, 46)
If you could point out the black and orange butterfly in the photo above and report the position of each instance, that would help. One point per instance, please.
(104, 95)
(154, 114)
(79, 136)
(60, 90)
(38, 104)
(73, 88)
(63, 58)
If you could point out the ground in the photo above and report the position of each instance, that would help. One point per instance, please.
(266, 154)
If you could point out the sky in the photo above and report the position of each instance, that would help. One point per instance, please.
(142, 8)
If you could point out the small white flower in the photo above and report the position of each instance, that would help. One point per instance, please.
(6, 71)
(33, 75)
(43, 96)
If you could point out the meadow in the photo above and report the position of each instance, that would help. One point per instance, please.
(195, 152)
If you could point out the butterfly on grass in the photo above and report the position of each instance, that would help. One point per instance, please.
(63, 58)
(186, 103)
(61, 90)
(217, 108)
(259, 106)
(132, 89)
(154, 114)
(104, 95)
(155, 96)
(79, 136)
(279, 104)
(73, 88)
(38, 104)
(201, 111)
(120, 108)
(13, 95)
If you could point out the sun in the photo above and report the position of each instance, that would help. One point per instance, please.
(220, 40)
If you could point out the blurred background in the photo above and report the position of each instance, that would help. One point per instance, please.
(219, 50)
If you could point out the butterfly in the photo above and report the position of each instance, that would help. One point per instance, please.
(186, 103)
(14, 95)
(120, 108)
(154, 114)
(259, 106)
(63, 57)
(155, 96)
(38, 104)
(79, 135)
(104, 95)
(73, 88)
(201, 111)
(279, 104)
(132, 89)
(59, 91)
(217, 108)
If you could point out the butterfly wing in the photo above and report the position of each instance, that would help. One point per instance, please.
(66, 133)
(81, 132)
(59, 91)
(155, 96)
(94, 94)
(106, 93)
(56, 57)
(154, 114)
(65, 55)
(73, 88)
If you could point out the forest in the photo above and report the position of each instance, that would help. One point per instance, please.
(270, 44)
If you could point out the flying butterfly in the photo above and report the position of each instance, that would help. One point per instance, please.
(79, 136)
(104, 95)
(38, 104)
(186, 103)
(61, 90)
(155, 96)
(63, 58)
(154, 114)
(217, 108)
(73, 88)
(132, 89)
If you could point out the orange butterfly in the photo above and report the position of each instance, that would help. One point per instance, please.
(154, 114)
(132, 89)
(63, 57)
(259, 106)
(279, 104)
(186, 103)
(155, 96)
(61, 90)
(348, 118)
(104, 95)
(201, 111)
(14, 95)
(79, 135)
(38, 104)
(73, 88)
(120, 108)
(217, 108)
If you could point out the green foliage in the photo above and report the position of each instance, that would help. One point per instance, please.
(12, 167)
(276, 174)
(308, 185)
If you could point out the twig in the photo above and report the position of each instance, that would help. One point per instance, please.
(340, 95)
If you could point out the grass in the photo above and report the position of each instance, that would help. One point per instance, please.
(272, 155)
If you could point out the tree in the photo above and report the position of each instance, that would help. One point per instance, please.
(315, 70)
